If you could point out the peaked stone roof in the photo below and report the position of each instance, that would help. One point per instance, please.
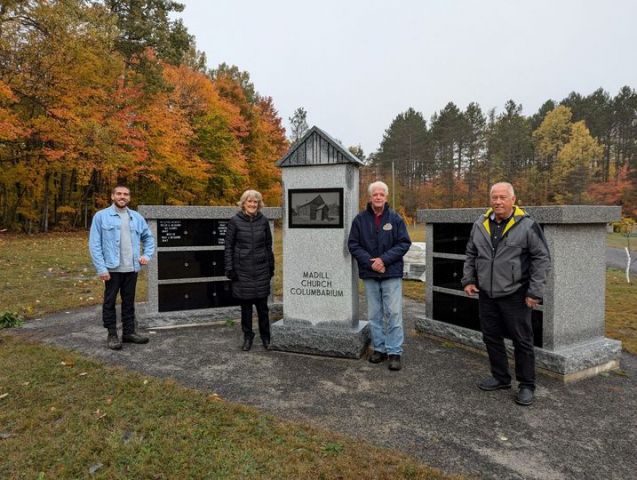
(317, 148)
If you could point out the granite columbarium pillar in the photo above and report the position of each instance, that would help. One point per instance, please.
(320, 278)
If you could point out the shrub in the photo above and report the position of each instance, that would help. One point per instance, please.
(10, 320)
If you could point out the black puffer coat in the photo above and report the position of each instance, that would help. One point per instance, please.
(249, 261)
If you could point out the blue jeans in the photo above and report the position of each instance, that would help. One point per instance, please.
(385, 314)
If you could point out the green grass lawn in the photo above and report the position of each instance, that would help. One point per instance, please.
(621, 309)
(619, 240)
(63, 416)
(41, 274)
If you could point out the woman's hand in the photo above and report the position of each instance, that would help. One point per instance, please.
(231, 274)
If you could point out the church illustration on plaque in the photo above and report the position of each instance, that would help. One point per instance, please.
(315, 208)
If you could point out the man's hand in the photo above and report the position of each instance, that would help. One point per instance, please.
(378, 265)
(105, 277)
(471, 290)
(531, 302)
(143, 260)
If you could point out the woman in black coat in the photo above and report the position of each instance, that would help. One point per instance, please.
(249, 263)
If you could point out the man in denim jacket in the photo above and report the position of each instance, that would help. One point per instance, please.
(114, 244)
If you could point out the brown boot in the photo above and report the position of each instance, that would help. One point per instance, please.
(394, 362)
(113, 342)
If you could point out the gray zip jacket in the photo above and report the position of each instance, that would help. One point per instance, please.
(522, 259)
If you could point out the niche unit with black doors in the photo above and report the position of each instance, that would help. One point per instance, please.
(448, 301)
(186, 278)
(569, 325)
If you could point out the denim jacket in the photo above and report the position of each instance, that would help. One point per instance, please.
(104, 239)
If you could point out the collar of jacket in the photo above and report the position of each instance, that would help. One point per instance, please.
(370, 209)
(518, 214)
(114, 210)
(248, 218)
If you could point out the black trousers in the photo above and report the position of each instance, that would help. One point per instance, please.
(262, 314)
(508, 315)
(124, 284)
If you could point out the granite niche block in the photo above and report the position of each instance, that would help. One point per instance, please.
(186, 278)
(569, 326)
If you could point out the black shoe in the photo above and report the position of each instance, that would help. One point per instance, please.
(524, 396)
(394, 362)
(490, 384)
(377, 357)
(266, 343)
(113, 342)
(134, 338)
(247, 342)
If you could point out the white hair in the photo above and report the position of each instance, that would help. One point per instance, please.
(506, 184)
(376, 185)
(251, 194)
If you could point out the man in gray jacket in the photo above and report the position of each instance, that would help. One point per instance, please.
(507, 262)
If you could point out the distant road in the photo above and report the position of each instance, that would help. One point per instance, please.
(616, 258)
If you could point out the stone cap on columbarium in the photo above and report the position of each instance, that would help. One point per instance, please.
(164, 212)
(545, 214)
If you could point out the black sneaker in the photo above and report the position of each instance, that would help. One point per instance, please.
(394, 362)
(490, 384)
(377, 357)
(134, 338)
(524, 396)
(247, 342)
(113, 342)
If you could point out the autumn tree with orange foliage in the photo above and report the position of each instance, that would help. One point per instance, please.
(90, 97)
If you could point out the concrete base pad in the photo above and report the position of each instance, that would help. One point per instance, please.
(575, 362)
(330, 341)
(146, 319)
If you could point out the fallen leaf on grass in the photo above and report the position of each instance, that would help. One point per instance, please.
(4, 395)
(99, 414)
(214, 396)
(94, 468)
(109, 400)
(4, 436)
(67, 363)
(145, 382)
(82, 374)
(25, 384)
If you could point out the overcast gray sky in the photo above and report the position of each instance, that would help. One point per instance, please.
(355, 64)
